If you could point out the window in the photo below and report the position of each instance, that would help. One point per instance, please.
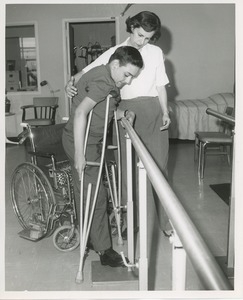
(21, 59)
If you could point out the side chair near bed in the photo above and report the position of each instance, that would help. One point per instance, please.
(41, 113)
(215, 143)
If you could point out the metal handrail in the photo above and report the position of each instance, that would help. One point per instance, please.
(201, 258)
(223, 117)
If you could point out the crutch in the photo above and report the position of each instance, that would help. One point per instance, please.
(115, 186)
(85, 226)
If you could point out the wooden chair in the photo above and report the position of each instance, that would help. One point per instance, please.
(42, 112)
(214, 143)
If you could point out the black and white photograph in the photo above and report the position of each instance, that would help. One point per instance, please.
(121, 150)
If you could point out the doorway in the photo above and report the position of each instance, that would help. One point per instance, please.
(88, 40)
(85, 40)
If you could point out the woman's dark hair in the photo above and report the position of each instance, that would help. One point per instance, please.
(147, 20)
(127, 54)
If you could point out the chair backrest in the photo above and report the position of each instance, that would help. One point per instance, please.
(45, 107)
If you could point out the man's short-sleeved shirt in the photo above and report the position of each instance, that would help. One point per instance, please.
(96, 84)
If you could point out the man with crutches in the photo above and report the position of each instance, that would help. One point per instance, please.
(93, 89)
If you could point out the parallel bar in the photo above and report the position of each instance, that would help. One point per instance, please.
(230, 254)
(130, 217)
(224, 117)
(178, 264)
(143, 260)
(202, 259)
(231, 229)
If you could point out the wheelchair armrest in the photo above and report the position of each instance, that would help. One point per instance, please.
(23, 136)
(51, 156)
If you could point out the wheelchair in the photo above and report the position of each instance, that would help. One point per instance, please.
(42, 191)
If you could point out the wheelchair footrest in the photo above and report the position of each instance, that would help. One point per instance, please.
(31, 234)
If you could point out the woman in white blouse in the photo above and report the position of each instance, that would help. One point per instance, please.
(146, 96)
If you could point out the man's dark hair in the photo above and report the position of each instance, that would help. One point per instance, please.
(147, 20)
(127, 54)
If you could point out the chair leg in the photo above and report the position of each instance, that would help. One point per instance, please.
(199, 159)
(203, 158)
(196, 148)
(228, 151)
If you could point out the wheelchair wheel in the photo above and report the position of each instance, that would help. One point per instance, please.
(32, 197)
(66, 238)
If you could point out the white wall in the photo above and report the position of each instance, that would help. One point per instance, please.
(198, 43)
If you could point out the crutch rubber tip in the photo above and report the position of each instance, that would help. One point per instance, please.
(79, 277)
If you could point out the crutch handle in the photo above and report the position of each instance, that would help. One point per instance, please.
(23, 124)
(112, 147)
(92, 163)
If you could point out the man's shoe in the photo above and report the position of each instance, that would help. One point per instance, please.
(111, 258)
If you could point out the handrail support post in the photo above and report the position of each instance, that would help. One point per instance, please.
(143, 260)
(130, 216)
(178, 263)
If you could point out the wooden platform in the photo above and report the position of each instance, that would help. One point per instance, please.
(107, 275)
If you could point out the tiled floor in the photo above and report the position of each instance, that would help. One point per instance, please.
(38, 266)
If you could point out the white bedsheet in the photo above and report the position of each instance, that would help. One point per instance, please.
(188, 116)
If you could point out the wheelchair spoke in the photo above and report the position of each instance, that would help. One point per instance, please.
(31, 184)
(23, 184)
(31, 195)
